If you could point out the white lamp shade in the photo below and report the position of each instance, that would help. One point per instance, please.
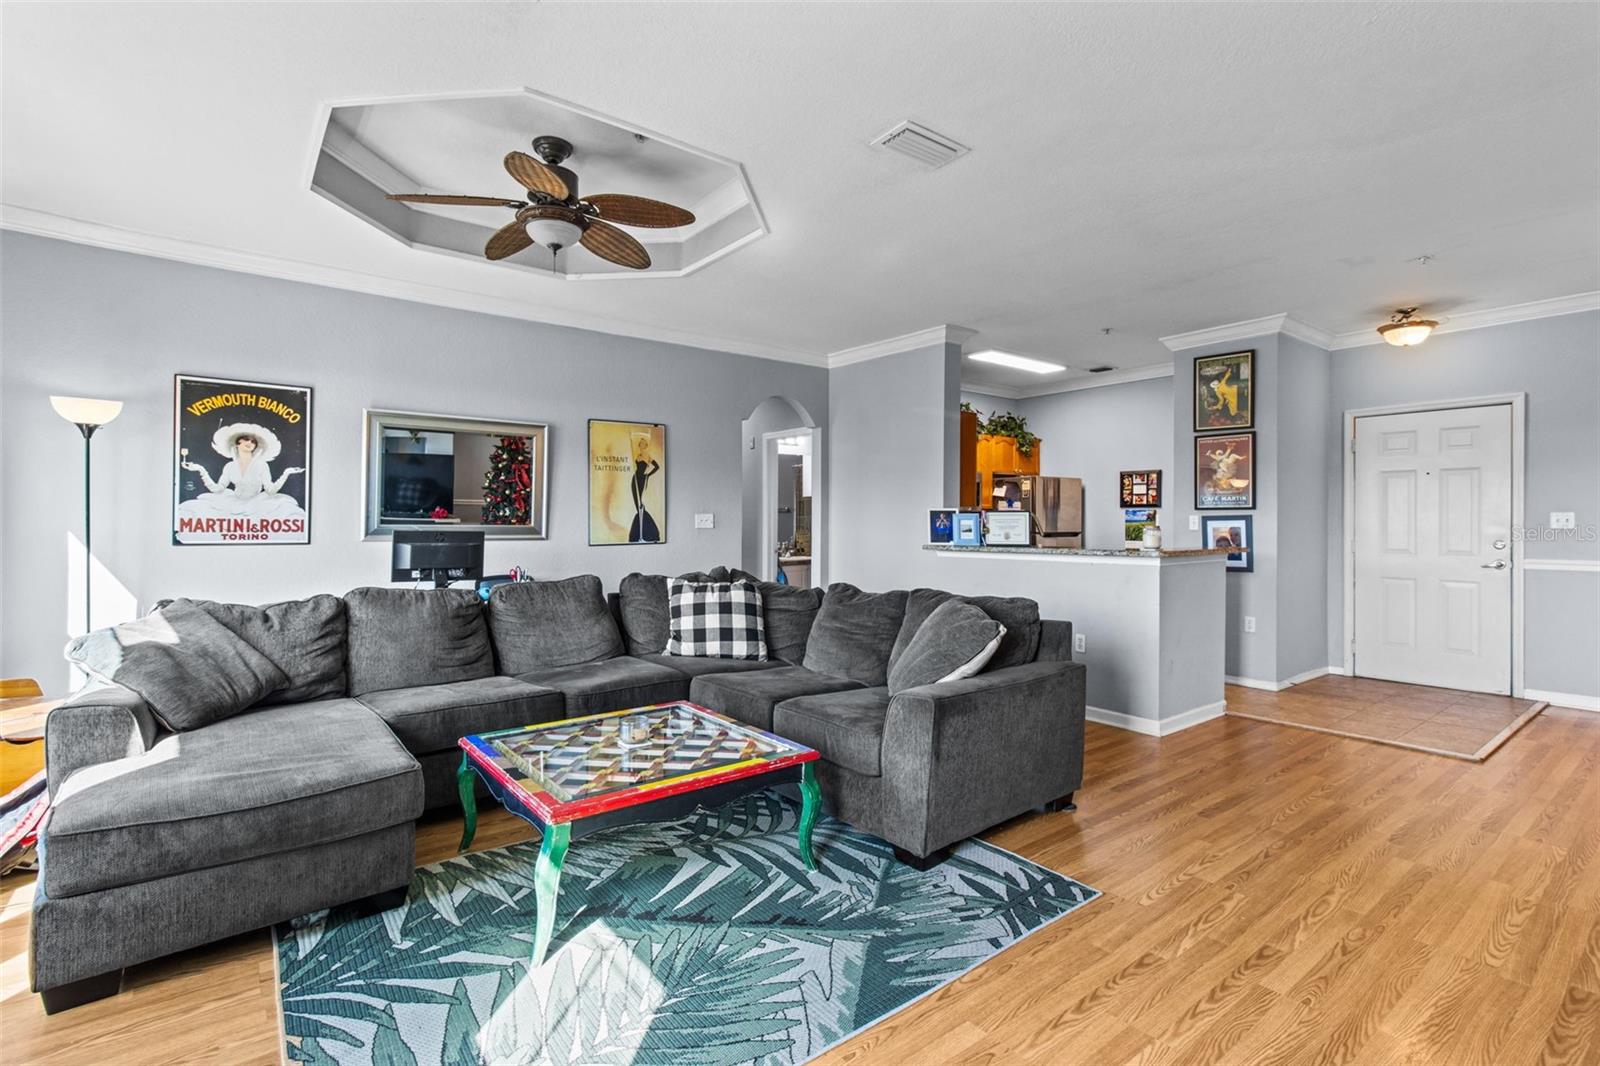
(1405, 334)
(554, 232)
(82, 411)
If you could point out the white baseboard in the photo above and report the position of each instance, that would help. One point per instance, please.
(1563, 699)
(1279, 686)
(1336, 670)
(1151, 727)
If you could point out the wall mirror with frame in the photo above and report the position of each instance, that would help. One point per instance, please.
(441, 471)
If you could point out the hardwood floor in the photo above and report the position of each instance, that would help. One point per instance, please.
(1272, 895)
(1462, 725)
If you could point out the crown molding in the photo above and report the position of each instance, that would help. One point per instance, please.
(1492, 316)
(922, 338)
(999, 392)
(1304, 331)
(1232, 331)
(115, 238)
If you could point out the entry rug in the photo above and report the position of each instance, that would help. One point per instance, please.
(698, 941)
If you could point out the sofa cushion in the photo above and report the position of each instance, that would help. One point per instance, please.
(854, 633)
(716, 620)
(1018, 614)
(642, 608)
(304, 638)
(402, 638)
(846, 727)
(612, 685)
(789, 612)
(188, 667)
(536, 624)
(433, 717)
(694, 666)
(955, 641)
(751, 696)
(277, 779)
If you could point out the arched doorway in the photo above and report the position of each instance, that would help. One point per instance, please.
(782, 522)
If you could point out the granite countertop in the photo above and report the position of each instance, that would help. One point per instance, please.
(1133, 553)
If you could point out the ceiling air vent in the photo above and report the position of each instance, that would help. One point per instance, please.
(931, 149)
(1100, 369)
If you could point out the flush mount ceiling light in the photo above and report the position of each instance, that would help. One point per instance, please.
(1403, 331)
(1015, 362)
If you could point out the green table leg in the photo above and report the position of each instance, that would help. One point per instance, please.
(547, 885)
(811, 801)
(467, 789)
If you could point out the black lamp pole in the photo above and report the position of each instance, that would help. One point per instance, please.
(88, 555)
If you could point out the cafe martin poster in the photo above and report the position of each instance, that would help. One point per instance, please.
(242, 463)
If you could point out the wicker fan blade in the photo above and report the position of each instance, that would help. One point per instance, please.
(639, 211)
(608, 242)
(535, 176)
(508, 240)
(462, 201)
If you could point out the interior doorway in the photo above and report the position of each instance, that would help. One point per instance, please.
(1432, 583)
(783, 530)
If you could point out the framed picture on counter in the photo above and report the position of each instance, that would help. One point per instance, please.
(1225, 472)
(1141, 488)
(1012, 528)
(1231, 531)
(969, 529)
(941, 527)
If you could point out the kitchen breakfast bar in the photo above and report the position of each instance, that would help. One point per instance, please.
(1149, 624)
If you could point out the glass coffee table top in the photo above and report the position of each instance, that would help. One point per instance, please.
(584, 766)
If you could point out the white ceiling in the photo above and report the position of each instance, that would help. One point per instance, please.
(1152, 168)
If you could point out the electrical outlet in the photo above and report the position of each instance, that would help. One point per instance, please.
(705, 521)
(1563, 520)
(1194, 523)
(1249, 623)
(1080, 642)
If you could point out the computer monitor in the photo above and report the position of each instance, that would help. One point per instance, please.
(436, 555)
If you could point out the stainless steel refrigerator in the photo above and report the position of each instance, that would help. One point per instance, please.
(1056, 504)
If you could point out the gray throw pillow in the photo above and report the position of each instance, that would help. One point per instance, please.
(854, 633)
(789, 612)
(955, 641)
(539, 624)
(1018, 614)
(190, 668)
(304, 638)
(402, 638)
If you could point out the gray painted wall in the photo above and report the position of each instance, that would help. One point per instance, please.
(1556, 361)
(890, 456)
(1095, 434)
(1301, 402)
(86, 321)
(1248, 655)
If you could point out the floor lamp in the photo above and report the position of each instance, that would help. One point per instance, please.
(88, 415)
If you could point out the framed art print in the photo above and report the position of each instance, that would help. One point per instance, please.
(1232, 531)
(627, 482)
(242, 468)
(1141, 488)
(1225, 472)
(1224, 391)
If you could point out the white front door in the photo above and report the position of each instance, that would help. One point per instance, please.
(1432, 548)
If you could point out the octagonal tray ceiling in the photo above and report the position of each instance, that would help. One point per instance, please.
(457, 144)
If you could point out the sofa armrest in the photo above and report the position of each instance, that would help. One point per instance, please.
(1055, 641)
(972, 753)
(97, 725)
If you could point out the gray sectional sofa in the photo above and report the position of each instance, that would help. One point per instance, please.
(241, 766)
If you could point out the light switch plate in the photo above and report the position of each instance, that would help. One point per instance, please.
(1194, 522)
(1080, 642)
(1249, 624)
(705, 521)
(1563, 520)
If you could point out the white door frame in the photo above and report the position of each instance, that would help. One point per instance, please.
(1519, 469)
(769, 500)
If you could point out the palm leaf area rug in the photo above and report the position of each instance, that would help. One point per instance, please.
(698, 941)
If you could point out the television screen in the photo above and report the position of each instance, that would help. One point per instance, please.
(413, 485)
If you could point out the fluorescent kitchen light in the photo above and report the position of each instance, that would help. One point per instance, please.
(1015, 362)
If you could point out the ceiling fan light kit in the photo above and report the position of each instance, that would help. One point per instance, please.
(555, 217)
(1404, 331)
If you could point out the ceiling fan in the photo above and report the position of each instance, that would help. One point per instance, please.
(554, 216)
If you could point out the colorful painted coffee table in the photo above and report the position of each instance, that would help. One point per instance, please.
(578, 776)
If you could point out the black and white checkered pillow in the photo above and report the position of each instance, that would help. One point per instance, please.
(715, 620)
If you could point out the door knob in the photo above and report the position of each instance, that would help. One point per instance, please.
(1498, 564)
